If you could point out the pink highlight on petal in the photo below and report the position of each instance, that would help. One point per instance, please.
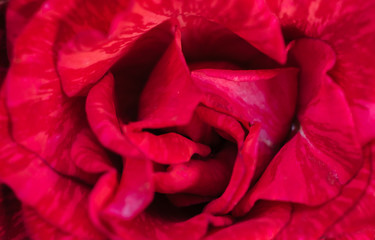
(135, 191)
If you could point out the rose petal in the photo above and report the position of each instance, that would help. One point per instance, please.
(169, 148)
(19, 13)
(251, 95)
(38, 228)
(208, 44)
(88, 155)
(325, 153)
(135, 191)
(55, 197)
(243, 172)
(226, 124)
(251, 20)
(349, 27)
(201, 177)
(266, 96)
(264, 222)
(55, 119)
(101, 114)
(88, 55)
(358, 223)
(100, 196)
(314, 221)
(133, 142)
(168, 88)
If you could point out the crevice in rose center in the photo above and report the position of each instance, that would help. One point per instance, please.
(133, 70)
(141, 77)
(206, 41)
(202, 178)
(163, 208)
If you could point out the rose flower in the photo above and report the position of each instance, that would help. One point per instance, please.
(156, 119)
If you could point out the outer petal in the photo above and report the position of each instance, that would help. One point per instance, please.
(358, 223)
(313, 222)
(349, 27)
(43, 119)
(40, 229)
(325, 153)
(19, 13)
(89, 52)
(264, 222)
(89, 55)
(55, 197)
(251, 20)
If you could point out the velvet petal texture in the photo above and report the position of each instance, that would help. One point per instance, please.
(325, 153)
(132, 141)
(358, 222)
(313, 222)
(90, 52)
(19, 13)
(242, 174)
(245, 18)
(56, 119)
(264, 222)
(55, 197)
(348, 26)
(251, 96)
(264, 96)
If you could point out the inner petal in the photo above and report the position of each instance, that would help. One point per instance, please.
(203, 177)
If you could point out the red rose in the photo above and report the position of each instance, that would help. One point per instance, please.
(187, 120)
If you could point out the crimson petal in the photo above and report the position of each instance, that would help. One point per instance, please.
(314, 221)
(93, 49)
(202, 177)
(325, 153)
(38, 228)
(242, 174)
(135, 191)
(266, 96)
(54, 197)
(55, 119)
(264, 222)
(358, 223)
(251, 20)
(349, 27)
(19, 13)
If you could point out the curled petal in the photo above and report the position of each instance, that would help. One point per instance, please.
(202, 177)
(264, 222)
(242, 175)
(135, 191)
(325, 153)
